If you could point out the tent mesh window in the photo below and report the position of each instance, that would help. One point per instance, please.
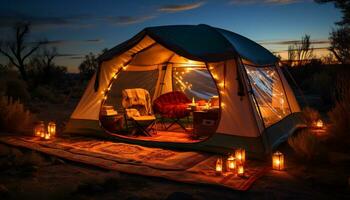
(194, 82)
(128, 80)
(269, 93)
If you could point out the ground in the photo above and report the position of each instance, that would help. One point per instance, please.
(30, 175)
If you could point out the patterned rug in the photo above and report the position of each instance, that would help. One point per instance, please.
(190, 167)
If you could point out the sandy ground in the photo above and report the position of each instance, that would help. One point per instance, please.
(25, 174)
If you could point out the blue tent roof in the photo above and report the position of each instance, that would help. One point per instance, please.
(200, 42)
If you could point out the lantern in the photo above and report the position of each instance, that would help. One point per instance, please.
(39, 128)
(240, 156)
(51, 128)
(47, 136)
(278, 161)
(240, 170)
(218, 167)
(319, 123)
(231, 163)
(42, 134)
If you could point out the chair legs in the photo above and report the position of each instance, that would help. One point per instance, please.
(175, 121)
(145, 128)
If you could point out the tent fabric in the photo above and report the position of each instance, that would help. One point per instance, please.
(236, 112)
(200, 42)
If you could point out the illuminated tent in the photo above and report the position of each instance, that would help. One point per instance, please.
(258, 109)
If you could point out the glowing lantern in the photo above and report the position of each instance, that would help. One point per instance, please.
(231, 163)
(39, 128)
(47, 136)
(240, 170)
(42, 134)
(51, 128)
(240, 156)
(319, 123)
(278, 161)
(218, 167)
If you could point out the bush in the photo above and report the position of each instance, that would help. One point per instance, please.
(323, 84)
(339, 116)
(305, 145)
(17, 89)
(47, 94)
(14, 117)
(310, 115)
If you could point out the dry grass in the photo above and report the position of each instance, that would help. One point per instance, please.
(14, 117)
(305, 145)
(311, 115)
(340, 115)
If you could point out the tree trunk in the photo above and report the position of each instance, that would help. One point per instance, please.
(23, 72)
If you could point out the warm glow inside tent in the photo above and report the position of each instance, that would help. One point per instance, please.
(257, 108)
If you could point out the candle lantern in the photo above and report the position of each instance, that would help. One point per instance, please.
(42, 134)
(319, 123)
(231, 163)
(51, 128)
(47, 136)
(240, 170)
(240, 156)
(278, 161)
(218, 167)
(39, 128)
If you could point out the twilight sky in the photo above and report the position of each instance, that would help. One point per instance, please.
(77, 27)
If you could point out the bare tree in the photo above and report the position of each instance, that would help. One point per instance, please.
(19, 50)
(301, 52)
(48, 55)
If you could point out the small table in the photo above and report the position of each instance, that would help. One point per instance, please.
(204, 123)
(112, 122)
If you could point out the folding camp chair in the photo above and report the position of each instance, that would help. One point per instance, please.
(137, 105)
(172, 106)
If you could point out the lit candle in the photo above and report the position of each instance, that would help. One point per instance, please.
(193, 102)
(240, 156)
(278, 161)
(240, 170)
(218, 167)
(231, 163)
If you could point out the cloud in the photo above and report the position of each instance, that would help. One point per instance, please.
(8, 19)
(65, 42)
(180, 7)
(286, 50)
(291, 42)
(272, 2)
(126, 20)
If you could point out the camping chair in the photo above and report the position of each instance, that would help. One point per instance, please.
(137, 105)
(173, 106)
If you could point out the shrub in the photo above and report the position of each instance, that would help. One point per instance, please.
(305, 145)
(310, 115)
(14, 117)
(47, 94)
(17, 89)
(339, 116)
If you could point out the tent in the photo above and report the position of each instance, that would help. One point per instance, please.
(258, 109)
